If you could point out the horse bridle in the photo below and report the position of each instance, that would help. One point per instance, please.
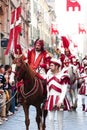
(33, 90)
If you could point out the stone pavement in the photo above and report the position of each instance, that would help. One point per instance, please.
(76, 120)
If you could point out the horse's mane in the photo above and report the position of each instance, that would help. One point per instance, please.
(29, 70)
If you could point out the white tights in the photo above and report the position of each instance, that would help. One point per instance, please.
(83, 99)
(51, 115)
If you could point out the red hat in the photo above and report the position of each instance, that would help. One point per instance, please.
(40, 42)
(18, 49)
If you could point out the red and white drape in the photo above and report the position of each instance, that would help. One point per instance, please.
(15, 30)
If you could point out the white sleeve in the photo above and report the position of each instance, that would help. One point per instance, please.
(64, 90)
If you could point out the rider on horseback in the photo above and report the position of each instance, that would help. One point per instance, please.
(38, 60)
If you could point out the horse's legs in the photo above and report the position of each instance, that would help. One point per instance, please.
(74, 97)
(69, 97)
(44, 112)
(26, 111)
(39, 118)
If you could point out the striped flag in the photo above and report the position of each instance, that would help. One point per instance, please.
(15, 30)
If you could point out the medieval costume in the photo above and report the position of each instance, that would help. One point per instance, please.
(56, 94)
(19, 53)
(83, 88)
(39, 60)
(67, 53)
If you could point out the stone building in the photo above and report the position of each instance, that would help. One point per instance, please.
(36, 19)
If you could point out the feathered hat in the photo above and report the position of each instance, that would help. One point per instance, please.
(65, 42)
(18, 49)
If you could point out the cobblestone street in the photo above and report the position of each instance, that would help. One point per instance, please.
(76, 120)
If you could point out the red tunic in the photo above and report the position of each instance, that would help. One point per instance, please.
(42, 59)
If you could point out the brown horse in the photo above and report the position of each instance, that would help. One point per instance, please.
(32, 93)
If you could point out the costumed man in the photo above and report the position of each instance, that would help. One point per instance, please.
(57, 82)
(38, 60)
(76, 73)
(19, 53)
(83, 88)
(72, 69)
(67, 54)
(66, 70)
(84, 60)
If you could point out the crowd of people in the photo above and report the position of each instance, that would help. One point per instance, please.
(64, 75)
(8, 102)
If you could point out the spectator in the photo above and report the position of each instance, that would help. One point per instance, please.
(7, 87)
(2, 82)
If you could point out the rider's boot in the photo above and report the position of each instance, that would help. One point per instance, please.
(83, 107)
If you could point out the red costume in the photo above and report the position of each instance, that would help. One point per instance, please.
(39, 60)
(67, 54)
(19, 53)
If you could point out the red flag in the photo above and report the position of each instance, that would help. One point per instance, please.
(14, 30)
(54, 30)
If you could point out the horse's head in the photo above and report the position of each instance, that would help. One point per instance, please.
(21, 69)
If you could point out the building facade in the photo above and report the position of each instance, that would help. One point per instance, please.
(35, 23)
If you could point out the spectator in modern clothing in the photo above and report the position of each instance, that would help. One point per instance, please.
(8, 87)
(2, 88)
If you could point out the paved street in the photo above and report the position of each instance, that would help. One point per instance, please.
(72, 120)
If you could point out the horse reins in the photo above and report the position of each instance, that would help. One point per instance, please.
(33, 90)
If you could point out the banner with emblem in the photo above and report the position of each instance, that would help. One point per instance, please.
(15, 30)
(72, 23)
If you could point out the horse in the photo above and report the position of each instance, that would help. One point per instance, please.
(31, 90)
(73, 92)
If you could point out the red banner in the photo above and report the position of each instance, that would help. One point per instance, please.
(54, 29)
(15, 30)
